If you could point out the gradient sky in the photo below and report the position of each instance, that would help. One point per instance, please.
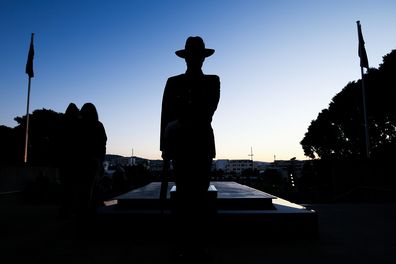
(280, 63)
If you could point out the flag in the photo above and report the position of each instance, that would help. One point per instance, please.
(29, 63)
(362, 51)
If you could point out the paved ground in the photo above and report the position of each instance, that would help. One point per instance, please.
(349, 233)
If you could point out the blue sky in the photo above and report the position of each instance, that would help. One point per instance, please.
(280, 63)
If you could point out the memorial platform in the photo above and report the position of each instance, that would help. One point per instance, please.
(240, 211)
(230, 196)
(349, 233)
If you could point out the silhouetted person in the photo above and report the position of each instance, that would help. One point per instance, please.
(188, 104)
(92, 151)
(68, 144)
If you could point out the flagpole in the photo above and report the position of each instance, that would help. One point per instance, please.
(27, 123)
(30, 73)
(363, 64)
(366, 132)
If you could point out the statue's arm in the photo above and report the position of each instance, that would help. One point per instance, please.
(165, 113)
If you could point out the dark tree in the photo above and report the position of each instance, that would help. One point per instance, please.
(272, 177)
(338, 131)
(44, 132)
(8, 152)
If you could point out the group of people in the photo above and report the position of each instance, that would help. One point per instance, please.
(187, 140)
(82, 152)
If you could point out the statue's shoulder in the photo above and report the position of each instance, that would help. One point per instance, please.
(212, 77)
(213, 80)
(176, 78)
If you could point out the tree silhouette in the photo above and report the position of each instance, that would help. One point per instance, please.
(338, 131)
(8, 150)
(44, 131)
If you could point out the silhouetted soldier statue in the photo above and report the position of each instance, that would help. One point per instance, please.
(187, 138)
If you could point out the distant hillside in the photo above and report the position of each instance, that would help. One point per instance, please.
(111, 157)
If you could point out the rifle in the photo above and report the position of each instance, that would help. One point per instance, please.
(164, 184)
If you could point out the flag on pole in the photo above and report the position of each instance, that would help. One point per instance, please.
(362, 50)
(29, 63)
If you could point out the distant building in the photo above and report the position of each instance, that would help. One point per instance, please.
(261, 166)
(139, 161)
(238, 166)
(220, 164)
(230, 167)
(114, 160)
(156, 165)
(288, 167)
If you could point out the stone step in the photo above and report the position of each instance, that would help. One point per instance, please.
(226, 195)
(241, 211)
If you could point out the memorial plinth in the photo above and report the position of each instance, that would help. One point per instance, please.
(230, 196)
(240, 210)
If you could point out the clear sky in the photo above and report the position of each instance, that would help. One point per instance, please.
(280, 63)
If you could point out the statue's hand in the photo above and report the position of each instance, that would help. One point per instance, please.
(164, 155)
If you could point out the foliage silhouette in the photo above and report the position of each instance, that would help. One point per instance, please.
(44, 135)
(8, 152)
(338, 132)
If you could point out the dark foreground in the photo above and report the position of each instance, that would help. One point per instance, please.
(348, 233)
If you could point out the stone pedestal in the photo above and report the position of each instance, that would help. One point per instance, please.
(241, 211)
